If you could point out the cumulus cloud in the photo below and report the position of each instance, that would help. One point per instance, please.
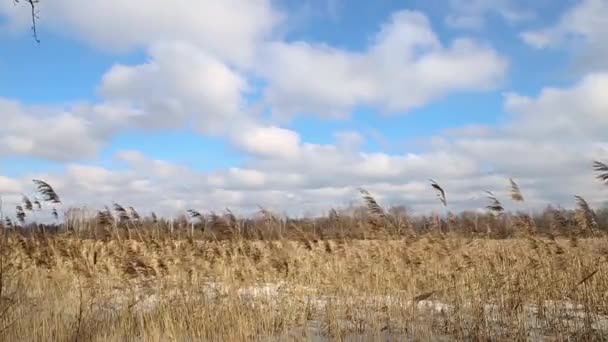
(203, 80)
(179, 85)
(199, 91)
(574, 114)
(9, 185)
(187, 82)
(405, 66)
(54, 133)
(585, 26)
(549, 141)
(543, 146)
(230, 29)
(349, 139)
(272, 142)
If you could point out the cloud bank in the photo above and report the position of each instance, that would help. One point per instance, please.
(203, 70)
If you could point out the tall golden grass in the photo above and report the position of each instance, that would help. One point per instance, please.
(372, 274)
(65, 288)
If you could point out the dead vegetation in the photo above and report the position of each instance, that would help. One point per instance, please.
(439, 285)
(371, 274)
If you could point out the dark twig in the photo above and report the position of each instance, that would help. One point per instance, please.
(33, 4)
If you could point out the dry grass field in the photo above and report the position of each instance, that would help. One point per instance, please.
(370, 275)
(434, 286)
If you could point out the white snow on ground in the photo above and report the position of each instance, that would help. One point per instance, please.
(564, 313)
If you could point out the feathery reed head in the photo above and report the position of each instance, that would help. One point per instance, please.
(121, 212)
(195, 214)
(495, 206)
(333, 215)
(586, 216)
(27, 204)
(20, 214)
(440, 192)
(516, 194)
(582, 204)
(47, 192)
(134, 214)
(154, 217)
(231, 217)
(104, 217)
(372, 206)
(267, 214)
(602, 171)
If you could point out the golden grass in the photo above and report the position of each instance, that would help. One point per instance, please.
(65, 288)
(368, 274)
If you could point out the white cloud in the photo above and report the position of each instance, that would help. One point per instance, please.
(406, 66)
(549, 170)
(153, 169)
(180, 84)
(585, 26)
(574, 114)
(230, 29)
(547, 142)
(9, 186)
(188, 83)
(247, 177)
(349, 139)
(52, 133)
(551, 164)
(272, 142)
(472, 13)
(95, 179)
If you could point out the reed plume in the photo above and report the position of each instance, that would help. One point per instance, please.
(602, 171)
(47, 192)
(440, 193)
(516, 194)
(104, 217)
(585, 216)
(27, 204)
(232, 220)
(20, 214)
(121, 212)
(333, 215)
(495, 206)
(134, 214)
(154, 217)
(372, 206)
(195, 214)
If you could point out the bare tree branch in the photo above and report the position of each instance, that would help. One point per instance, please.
(33, 4)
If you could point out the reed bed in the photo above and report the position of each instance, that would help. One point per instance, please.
(369, 274)
(436, 286)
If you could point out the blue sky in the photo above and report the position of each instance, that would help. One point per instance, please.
(295, 104)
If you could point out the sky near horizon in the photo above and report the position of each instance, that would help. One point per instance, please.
(294, 105)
